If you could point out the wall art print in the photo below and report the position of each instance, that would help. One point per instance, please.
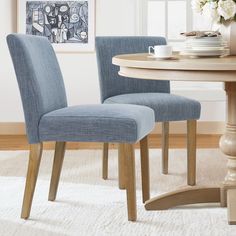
(68, 25)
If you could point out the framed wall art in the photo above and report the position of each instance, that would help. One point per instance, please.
(68, 25)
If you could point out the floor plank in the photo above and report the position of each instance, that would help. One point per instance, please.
(19, 142)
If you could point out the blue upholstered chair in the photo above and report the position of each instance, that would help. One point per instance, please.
(48, 118)
(152, 93)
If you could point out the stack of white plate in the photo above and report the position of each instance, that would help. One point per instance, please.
(205, 47)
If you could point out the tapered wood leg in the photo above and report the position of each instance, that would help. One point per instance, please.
(31, 179)
(165, 147)
(130, 182)
(121, 166)
(56, 170)
(145, 169)
(191, 152)
(105, 160)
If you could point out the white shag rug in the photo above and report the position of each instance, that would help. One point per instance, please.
(88, 205)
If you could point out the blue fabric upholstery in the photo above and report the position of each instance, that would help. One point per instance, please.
(97, 123)
(39, 79)
(111, 84)
(152, 93)
(167, 107)
(44, 101)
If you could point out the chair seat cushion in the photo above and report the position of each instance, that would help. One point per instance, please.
(167, 107)
(97, 123)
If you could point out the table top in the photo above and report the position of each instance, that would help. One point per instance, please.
(144, 61)
(180, 68)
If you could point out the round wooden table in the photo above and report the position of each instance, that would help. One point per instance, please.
(141, 66)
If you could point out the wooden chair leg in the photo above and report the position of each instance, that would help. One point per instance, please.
(145, 169)
(121, 166)
(31, 179)
(56, 170)
(191, 151)
(165, 147)
(105, 160)
(130, 182)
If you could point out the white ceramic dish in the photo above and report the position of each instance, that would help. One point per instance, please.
(201, 50)
(206, 42)
(206, 39)
(161, 58)
(216, 53)
(207, 48)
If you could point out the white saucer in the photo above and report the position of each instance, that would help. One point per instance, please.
(161, 58)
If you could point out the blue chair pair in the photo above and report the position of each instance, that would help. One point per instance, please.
(151, 93)
(48, 118)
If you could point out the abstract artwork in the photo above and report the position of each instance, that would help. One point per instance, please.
(67, 24)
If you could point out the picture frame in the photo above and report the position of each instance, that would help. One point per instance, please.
(68, 24)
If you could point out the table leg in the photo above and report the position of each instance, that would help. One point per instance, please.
(228, 147)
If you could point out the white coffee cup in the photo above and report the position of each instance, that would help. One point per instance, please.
(160, 51)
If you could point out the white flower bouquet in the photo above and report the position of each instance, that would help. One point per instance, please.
(219, 11)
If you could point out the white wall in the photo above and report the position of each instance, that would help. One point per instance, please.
(79, 70)
(113, 17)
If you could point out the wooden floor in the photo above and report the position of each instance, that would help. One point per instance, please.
(19, 142)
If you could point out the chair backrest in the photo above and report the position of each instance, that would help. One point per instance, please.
(111, 84)
(39, 78)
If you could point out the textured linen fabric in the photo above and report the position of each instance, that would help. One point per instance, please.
(167, 107)
(97, 123)
(39, 79)
(111, 84)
